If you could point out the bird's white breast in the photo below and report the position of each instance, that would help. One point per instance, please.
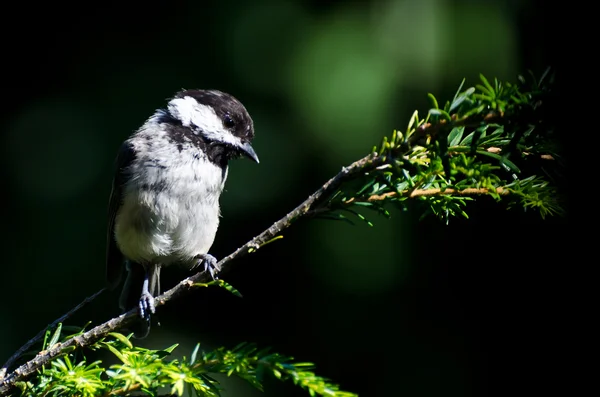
(170, 208)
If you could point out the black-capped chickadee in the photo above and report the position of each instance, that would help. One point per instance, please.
(164, 204)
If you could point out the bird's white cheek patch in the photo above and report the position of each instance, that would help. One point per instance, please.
(203, 117)
(192, 113)
(183, 109)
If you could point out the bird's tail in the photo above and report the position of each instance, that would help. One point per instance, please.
(132, 292)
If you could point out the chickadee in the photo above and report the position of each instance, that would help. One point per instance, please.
(164, 204)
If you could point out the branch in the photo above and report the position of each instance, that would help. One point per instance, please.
(431, 192)
(307, 208)
(41, 334)
(93, 335)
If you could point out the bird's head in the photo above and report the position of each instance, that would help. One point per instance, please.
(213, 120)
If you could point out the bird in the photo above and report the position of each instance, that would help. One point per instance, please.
(164, 202)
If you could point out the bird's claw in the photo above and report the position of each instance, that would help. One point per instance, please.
(146, 305)
(210, 265)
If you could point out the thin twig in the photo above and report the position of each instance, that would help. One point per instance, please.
(41, 334)
(498, 150)
(429, 192)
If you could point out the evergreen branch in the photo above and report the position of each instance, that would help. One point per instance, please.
(432, 161)
(93, 335)
(359, 167)
(146, 371)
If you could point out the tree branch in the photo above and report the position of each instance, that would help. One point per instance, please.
(93, 335)
(307, 208)
(431, 192)
(41, 334)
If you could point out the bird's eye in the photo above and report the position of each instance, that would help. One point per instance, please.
(228, 121)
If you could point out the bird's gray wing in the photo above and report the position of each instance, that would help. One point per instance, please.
(114, 257)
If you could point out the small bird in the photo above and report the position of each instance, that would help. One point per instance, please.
(164, 203)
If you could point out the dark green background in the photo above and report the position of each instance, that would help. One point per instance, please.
(405, 308)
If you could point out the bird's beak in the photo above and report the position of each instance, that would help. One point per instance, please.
(248, 151)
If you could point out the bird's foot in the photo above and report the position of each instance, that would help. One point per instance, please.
(210, 265)
(146, 305)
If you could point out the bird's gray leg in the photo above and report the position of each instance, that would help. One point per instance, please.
(146, 299)
(210, 264)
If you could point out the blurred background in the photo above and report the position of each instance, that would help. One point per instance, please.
(406, 307)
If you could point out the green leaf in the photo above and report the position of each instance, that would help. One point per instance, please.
(510, 164)
(434, 101)
(440, 112)
(487, 84)
(122, 338)
(230, 288)
(501, 159)
(485, 94)
(362, 203)
(55, 336)
(478, 134)
(407, 177)
(457, 103)
(117, 353)
(413, 119)
(46, 336)
(467, 140)
(455, 136)
(279, 237)
(462, 83)
(194, 354)
(459, 100)
(171, 348)
(366, 186)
